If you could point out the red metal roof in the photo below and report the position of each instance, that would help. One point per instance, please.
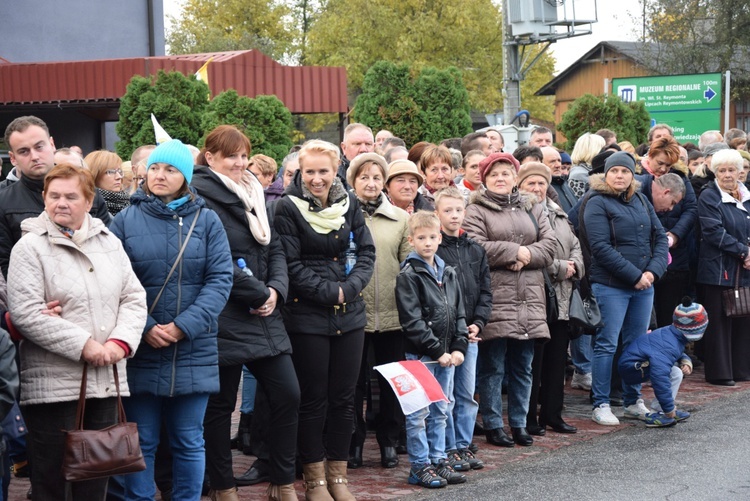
(302, 89)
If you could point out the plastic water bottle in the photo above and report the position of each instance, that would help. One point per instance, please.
(351, 254)
(243, 266)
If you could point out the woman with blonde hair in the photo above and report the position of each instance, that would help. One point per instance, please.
(330, 256)
(586, 148)
(106, 167)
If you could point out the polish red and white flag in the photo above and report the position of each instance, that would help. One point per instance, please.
(413, 383)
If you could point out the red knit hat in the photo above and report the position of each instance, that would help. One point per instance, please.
(494, 158)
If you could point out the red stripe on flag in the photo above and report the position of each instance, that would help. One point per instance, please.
(431, 386)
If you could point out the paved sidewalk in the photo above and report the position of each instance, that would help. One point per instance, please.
(371, 482)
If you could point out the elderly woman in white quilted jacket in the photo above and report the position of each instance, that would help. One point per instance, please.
(66, 255)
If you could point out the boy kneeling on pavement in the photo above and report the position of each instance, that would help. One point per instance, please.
(659, 356)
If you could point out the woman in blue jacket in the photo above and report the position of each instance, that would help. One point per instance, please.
(176, 365)
(628, 248)
(724, 215)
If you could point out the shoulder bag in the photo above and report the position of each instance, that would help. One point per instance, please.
(584, 312)
(114, 450)
(737, 299)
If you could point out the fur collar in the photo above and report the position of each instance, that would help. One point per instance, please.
(597, 183)
(518, 199)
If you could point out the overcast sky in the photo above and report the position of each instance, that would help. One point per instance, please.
(618, 20)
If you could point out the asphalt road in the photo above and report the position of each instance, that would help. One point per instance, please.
(706, 457)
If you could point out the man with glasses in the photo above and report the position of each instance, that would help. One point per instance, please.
(31, 150)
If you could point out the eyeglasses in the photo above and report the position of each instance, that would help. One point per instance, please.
(112, 172)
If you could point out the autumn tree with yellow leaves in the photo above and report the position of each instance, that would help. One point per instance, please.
(356, 34)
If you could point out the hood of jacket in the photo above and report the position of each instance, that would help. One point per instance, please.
(599, 185)
(298, 189)
(515, 200)
(40, 225)
(154, 206)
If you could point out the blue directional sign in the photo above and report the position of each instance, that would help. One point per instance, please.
(690, 104)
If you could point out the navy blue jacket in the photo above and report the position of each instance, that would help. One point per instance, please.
(623, 234)
(659, 350)
(469, 260)
(152, 235)
(725, 235)
(680, 220)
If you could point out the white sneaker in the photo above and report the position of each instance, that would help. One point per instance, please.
(637, 411)
(581, 381)
(603, 415)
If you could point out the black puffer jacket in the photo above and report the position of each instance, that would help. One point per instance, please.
(431, 314)
(242, 336)
(317, 265)
(469, 260)
(22, 200)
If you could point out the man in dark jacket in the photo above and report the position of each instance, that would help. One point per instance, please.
(677, 209)
(358, 139)
(31, 150)
(553, 160)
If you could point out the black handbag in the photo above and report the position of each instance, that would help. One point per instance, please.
(553, 310)
(584, 312)
(737, 299)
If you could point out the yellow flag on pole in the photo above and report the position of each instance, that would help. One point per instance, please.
(159, 132)
(202, 75)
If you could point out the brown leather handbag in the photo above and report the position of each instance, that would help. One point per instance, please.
(737, 299)
(114, 450)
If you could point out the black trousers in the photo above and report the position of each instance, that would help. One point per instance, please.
(668, 293)
(548, 372)
(276, 378)
(46, 444)
(327, 368)
(387, 347)
(726, 343)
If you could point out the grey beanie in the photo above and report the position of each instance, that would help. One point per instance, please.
(620, 159)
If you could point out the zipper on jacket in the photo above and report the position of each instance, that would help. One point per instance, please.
(179, 293)
(377, 289)
(444, 295)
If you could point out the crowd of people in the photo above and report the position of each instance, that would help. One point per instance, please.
(189, 273)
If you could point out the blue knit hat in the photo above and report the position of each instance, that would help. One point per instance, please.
(691, 319)
(176, 154)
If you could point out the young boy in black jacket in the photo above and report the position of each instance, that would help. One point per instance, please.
(469, 259)
(431, 313)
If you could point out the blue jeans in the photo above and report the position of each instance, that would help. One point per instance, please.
(249, 385)
(490, 380)
(581, 352)
(462, 411)
(425, 428)
(625, 312)
(183, 417)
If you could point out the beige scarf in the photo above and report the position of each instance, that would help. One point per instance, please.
(324, 221)
(250, 193)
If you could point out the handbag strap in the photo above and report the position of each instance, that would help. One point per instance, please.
(737, 279)
(81, 408)
(176, 261)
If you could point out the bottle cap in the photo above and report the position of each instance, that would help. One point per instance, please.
(241, 263)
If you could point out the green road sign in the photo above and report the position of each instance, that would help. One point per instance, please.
(690, 104)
